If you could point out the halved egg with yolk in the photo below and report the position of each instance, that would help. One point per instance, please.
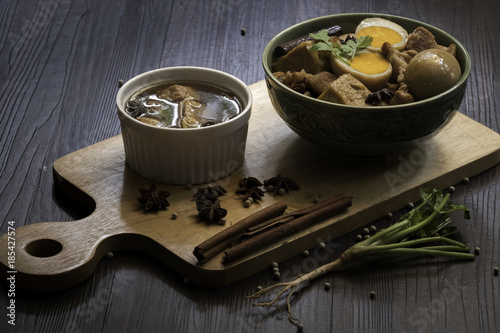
(371, 68)
(382, 31)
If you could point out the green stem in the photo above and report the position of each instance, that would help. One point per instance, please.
(427, 252)
(383, 233)
(420, 225)
(451, 241)
(448, 248)
(394, 229)
(421, 241)
(376, 249)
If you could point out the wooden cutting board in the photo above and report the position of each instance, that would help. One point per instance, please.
(57, 255)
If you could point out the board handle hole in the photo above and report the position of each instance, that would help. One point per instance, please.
(44, 248)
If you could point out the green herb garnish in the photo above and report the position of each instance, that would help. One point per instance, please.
(420, 232)
(347, 50)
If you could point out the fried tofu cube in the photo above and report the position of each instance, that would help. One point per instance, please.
(346, 90)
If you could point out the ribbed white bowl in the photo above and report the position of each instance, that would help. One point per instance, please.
(185, 155)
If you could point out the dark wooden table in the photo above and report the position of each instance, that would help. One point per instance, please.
(60, 63)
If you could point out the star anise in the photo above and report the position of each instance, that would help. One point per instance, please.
(153, 199)
(210, 211)
(209, 192)
(254, 193)
(380, 96)
(249, 182)
(249, 187)
(281, 182)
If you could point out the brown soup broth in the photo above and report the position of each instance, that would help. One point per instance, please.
(183, 105)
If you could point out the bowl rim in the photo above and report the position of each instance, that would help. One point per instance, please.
(269, 48)
(151, 74)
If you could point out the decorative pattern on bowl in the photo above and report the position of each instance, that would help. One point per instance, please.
(364, 128)
(367, 130)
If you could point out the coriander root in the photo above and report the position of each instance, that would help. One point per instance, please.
(413, 235)
(291, 286)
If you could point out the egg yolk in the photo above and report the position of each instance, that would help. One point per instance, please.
(381, 35)
(370, 63)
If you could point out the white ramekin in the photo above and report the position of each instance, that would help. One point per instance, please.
(185, 155)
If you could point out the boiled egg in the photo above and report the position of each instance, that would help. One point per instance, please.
(432, 72)
(371, 68)
(382, 31)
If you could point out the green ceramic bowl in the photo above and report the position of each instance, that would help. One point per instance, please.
(364, 131)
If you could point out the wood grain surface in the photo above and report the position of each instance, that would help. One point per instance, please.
(60, 63)
(52, 256)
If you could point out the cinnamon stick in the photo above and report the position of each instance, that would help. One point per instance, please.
(292, 215)
(217, 243)
(296, 213)
(275, 234)
(269, 222)
(319, 205)
(273, 223)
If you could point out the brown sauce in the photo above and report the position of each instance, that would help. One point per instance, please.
(183, 105)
